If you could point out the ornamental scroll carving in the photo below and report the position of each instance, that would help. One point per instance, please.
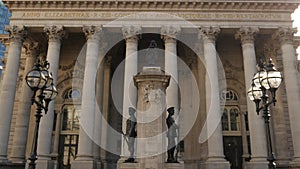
(209, 34)
(32, 49)
(285, 35)
(17, 33)
(246, 34)
(93, 32)
(131, 32)
(152, 93)
(169, 33)
(55, 32)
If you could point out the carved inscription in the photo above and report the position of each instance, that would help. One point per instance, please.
(185, 15)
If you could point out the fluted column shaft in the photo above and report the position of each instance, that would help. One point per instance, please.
(55, 35)
(285, 36)
(85, 146)
(130, 34)
(256, 123)
(243, 111)
(23, 114)
(215, 138)
(168, 34)
(8, 87)
(59, 115)
(105, 108)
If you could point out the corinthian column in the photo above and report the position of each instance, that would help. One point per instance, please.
(168, 34)
(131, 37)
(285, 36)
(55, 35)
(23, 114)
(256, 123)
(86, 133)
(8, 88)
(215, 157)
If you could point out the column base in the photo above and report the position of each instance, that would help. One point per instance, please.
(257, 164)
(108, 165)
(174, 166)
(44, 164)
(295, 164)
(191, 164)
(18, 160)
(3, 160)
(157, 166)
(216, 163)
(9, 165)
(84, 163)
(282, 163)
(128, 166)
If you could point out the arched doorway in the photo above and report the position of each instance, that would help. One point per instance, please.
(69, 133)
(232, 129)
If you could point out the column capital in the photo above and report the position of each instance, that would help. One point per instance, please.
(54, 32)
(285, 35)
(31, 48)
(92, 32)
(169, 33)
(246, 34)
(131, 32)
(17, 33)
(209, 34)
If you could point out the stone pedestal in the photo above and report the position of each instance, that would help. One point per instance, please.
(151, 84)
(151, 117)
(174, 166)
(128, 165)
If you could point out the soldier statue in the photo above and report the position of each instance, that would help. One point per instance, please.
(131, 134)
(171, 134)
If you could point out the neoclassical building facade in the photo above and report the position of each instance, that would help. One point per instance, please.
(210, 49)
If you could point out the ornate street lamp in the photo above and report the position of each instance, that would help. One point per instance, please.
(266, 80)
(40, 81)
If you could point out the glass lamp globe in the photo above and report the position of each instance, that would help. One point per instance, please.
(257, 79)
(50, 92)
(272, 78)
(254, 93)
(48, 76)
(35, 79)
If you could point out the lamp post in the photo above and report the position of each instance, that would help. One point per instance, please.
(40, 81)
(267, 80)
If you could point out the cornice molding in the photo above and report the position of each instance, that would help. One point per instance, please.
(290, 5)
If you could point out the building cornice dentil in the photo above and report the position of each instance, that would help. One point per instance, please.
(290, 5)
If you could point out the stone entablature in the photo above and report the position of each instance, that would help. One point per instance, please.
(223, 13)
(154, 4)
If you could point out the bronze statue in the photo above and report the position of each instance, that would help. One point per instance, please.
(171, 134)
(131, 134)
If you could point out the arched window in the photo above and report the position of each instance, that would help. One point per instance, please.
(229, 95)
(72, 94)
(231, 119)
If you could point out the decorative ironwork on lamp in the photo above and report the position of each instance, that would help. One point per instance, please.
(268, 79)
(40, 81)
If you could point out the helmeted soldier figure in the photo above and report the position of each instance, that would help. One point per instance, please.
(171, 134)
(131, 134)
